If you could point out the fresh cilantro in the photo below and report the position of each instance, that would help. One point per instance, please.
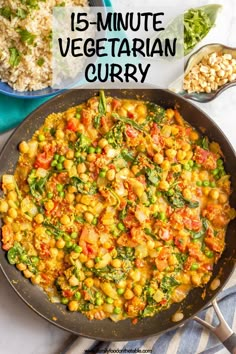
(15, 56)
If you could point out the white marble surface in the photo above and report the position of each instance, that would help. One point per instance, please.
(22, 331)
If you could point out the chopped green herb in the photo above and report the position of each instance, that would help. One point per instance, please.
(15, 56)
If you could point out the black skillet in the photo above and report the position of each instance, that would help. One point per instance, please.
(107, 330)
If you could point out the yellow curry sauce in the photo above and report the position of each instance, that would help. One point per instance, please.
(117, 208)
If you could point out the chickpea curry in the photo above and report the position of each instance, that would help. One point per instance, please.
(117, 208)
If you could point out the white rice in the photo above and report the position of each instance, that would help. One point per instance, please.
(28, 75)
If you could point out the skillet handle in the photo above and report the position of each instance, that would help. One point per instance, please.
(223, 332)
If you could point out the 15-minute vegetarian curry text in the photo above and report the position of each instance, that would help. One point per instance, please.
(117, 208)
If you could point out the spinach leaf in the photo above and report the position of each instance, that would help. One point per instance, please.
(79, 184)
(56, 231)
(153, 175)
(126, 253)
(156, 113)
(168, 283)
(127, 155)
(82, 143)
(37, 184)
(203, 143)
(148, 311)
(115, 135)
(6, 12)
(178, 201)
(102, 109)
(110, 273)
(129, 121)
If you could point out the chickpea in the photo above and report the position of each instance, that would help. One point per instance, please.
(135, 169)
(176, 168)
(206, 191)
(110, 175)
(189, 155)
(171, 153)
(138, 290)
(61, 254)
(158, 158)
(165, 165)
(223, 198)
(12, 204)
(102, 143)
(36, 279)
(12, 212)
(164, 185)
(88, 217)
(90, 263)
(39, 218)
(83, 258)
(72, 189)
(181, 155)
(12, 196)
(121, 284)
(150, 244)
(170, 113)
(7, 220)
(186, 146)
(60, 134)
(187, 194)
(27, 273)
(73, 281)
(203, 175)
(174, 130)
(70, 154)
(135, 275)
(53, 252)
(84, 177)
(24, 147)
(68, 164)
(18, 237)
(60, 243)
(96, 282)
(81, 168)
(3, 206)
(73, 305)
(116, 263)
(65, 220)
(88, 282)
(214, 194)
(49, 205)
(91, 157)
(70, 197)
(128, 295)
(141, 110)
(21, 266)
(193, 135)
(196, 279)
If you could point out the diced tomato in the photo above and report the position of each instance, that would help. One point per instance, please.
(130, 114)
(130, 220)
(46, 278)
(44, 159)
(131, 132)
(181, 242)
(7, 237)
(67, 293)
(86, 118)
(164, 234)
(214, 244)
(161, 264)
(44, 252)
(115, 104)
(139, 263)
(73, 124)
(206, 158)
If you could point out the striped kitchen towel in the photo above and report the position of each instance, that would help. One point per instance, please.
(192, 338)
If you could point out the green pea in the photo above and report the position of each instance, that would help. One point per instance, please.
(220, 163)
(109, 300)
(24, 258)
(97, 259)
(77, 295)
(110, 140)
(205, 183)
(120, 291)
(153, 199)
(69, 244)
(121, 226)
(199, 183)
(194, 266)
(61, 158)
(77, 154)
(78, 249)
(95, 221)
(191, 163)
(170, 192)
(34, 259)
(59, 187)
(53, 163)
(117, 310)
(186, 167)
(209, 254)
(77, 115)
(66, 237)
(50, 195)
(158, 194)
(98, 150)
(102, 173)
(59, 167)
(91, 150)
(99, 301)
(212, 184)
(150, 290)
(162, 216)
(64, 300)
(73, 235)
(56, 157)
(62, 194)
(41, 137)
(215, 171)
